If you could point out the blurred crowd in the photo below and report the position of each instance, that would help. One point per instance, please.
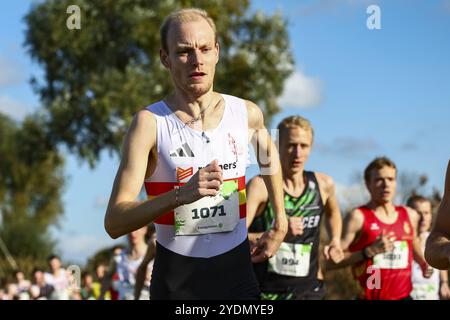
(126, 276)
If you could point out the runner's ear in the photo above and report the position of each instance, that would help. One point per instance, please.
(163, 55)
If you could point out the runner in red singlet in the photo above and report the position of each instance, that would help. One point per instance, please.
(381, 238)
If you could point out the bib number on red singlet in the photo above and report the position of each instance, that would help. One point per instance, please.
(396, 259)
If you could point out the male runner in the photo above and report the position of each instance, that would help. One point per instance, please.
(191, 151)
(294, 272)
(381, 238)
(436, 286)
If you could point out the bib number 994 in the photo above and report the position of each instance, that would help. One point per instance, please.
(208, 212)
(289, 262)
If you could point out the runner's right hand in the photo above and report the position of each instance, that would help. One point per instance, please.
(384, 243)
(267, 245)
(205, 182)
(295, 227)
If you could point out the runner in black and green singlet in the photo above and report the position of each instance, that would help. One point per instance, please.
(294, 272)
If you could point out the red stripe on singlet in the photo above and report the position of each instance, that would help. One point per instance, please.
(156, 188)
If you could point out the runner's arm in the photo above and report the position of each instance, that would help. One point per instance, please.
(333, 218)
(257, 198)
(270, 167)
(444, 289)
(124, 214)
(332, 211)
(353, 224)
(417, 248)
(437, 250)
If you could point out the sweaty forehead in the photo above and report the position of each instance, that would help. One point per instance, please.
(192, 33)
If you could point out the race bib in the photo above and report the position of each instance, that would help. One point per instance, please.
(210, 214)
(425, 291)
(396, 259)
(291, 260)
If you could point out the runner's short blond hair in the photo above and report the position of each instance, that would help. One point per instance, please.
(184, 16)
(295, 121)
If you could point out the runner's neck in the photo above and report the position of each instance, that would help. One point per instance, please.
(385, 212)
(189, 104)
(295, 183)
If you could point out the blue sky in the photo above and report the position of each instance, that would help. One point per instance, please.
(366, 92)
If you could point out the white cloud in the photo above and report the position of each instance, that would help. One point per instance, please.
(349, 146)
(79, 247)
(301, 91)
(351, 196)
(11, 72)
(13, 108)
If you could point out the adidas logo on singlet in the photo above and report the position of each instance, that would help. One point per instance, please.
(183, 151)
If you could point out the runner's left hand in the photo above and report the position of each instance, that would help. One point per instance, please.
(334, 252)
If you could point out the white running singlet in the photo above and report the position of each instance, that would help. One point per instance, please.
(212, 225)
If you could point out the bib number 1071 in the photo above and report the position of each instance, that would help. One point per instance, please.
(208, 212)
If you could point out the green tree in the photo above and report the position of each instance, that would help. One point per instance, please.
(97, 77)
(31, 182)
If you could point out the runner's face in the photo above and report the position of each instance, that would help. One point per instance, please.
(192, 57)
(295, 147)
(423, 208)
(382, 185)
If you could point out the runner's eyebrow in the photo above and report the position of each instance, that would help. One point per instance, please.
(181, 45)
